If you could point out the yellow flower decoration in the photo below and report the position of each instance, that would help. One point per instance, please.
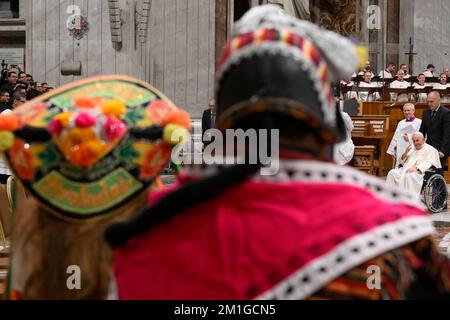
(64, 118)
(80, 135)
(114, 108)
(6, 140)
(175, 134)
(363, 55)
(95, 147)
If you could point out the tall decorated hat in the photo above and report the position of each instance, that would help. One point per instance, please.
(88, 148)
(275, 63)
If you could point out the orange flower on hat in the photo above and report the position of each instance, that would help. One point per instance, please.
(63, 118)
(87, 102)
(155, 159)
(9, 122)
(73, 139)
(80, 135)
(158, 110)
(178, 117)
(86, 154)
(114, 108)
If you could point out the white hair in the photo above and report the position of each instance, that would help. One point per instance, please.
(420, 134)
(435, 94)
(409, 104)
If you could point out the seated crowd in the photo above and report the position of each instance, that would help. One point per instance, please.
(17, 87)
(365, 86)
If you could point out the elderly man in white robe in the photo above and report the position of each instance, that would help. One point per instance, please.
(416, 161)
(403, 134)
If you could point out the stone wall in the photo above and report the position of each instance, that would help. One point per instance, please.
(431, 34)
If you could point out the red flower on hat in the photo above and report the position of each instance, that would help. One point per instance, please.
(114, 129)
(85, 120)
(55, 127)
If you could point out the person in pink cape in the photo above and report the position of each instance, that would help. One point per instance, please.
(313, 230)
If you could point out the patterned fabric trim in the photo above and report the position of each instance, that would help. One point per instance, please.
(415, 271)
(286, 43)
(348, 255)
(322, 172)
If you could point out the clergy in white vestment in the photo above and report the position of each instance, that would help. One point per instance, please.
(361, 73)
(404, 67)
(442, 85)
(403, 134)
(364, 89)
(399, 83)
(367, 67)
(388, 72)
(416, 161)
(429, 72)
(420, 84)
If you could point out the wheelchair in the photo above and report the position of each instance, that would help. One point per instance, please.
(434, 190)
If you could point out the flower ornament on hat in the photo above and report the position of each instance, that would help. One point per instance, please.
(277, 63)
(86, 149)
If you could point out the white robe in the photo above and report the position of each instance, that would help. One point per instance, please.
(385, 74)
(423, 159)
(419, 86)
(421, 97)
(361, 73)
(428, 74)
(398, 143)
(364, 95)
(440, 86)
(343, 152)
(399, 85)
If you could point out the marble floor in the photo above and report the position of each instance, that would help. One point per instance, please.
(442, 236)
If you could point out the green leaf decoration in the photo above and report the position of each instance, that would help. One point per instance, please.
(134, 116)
(127, 153)
(49, 157)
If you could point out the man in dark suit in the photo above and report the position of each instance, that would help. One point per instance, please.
(4, 101)
(10, 82)
(436, 126)
(208, 120)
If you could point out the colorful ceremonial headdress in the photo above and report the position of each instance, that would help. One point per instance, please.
(277, 63)
(86, 149)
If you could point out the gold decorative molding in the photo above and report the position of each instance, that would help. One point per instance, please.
(341, 16)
